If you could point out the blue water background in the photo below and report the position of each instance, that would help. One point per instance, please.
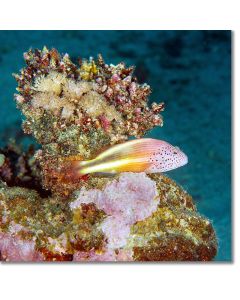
(189, 70)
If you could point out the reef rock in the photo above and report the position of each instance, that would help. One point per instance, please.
(134, 217)
(46, 215)
(79, 110)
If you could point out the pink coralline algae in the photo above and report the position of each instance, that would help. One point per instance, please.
(131, 198)
(117, 230)
(15, 249)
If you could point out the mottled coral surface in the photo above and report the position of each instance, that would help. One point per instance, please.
(48, 215)
(131, 198)
(165, 227)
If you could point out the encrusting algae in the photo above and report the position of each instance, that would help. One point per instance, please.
(47, 213)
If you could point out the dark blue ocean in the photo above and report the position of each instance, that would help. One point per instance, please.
(189, 70)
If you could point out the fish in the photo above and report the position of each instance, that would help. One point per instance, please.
(140, 155)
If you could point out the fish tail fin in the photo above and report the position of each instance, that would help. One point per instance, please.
(71, 169)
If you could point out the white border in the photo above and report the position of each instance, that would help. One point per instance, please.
(119, 14)
(126, 281)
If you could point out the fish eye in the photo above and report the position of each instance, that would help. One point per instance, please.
(174, 152)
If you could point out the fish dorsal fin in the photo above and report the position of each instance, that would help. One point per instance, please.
(126, 147)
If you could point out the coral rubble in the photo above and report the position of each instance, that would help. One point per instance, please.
(47, 215)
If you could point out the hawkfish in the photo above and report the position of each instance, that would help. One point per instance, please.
(140, 155)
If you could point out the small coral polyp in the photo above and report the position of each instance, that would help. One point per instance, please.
(50, 215)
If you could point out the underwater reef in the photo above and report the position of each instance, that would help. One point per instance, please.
(49, 214)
